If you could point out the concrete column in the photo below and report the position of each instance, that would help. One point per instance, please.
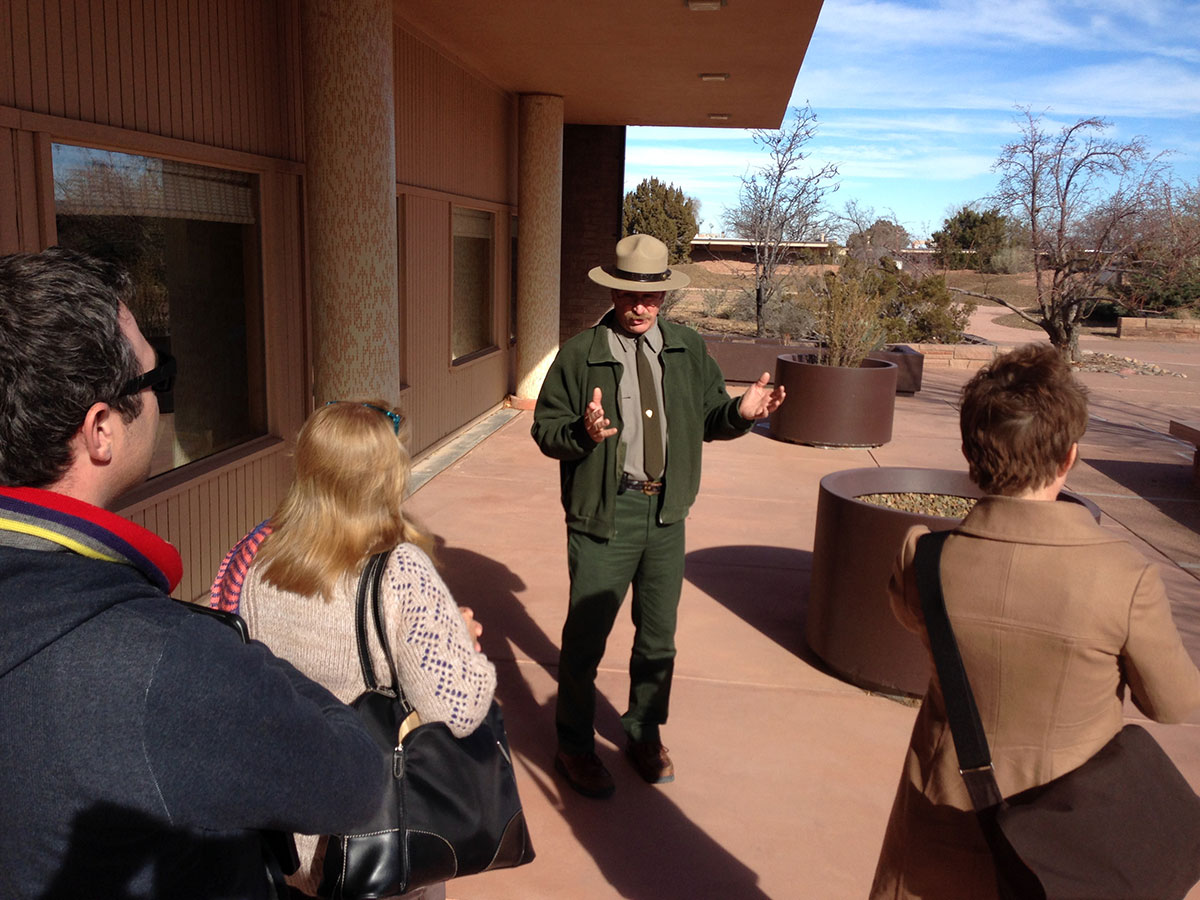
(539, 246)
(350, 165)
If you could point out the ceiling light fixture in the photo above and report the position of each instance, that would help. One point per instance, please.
(704, 5)
(719, 117)
(714, 76)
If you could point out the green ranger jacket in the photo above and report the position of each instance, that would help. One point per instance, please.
(697, 408)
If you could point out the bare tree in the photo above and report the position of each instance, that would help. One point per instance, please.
(1161, 274)
(781, 203)
(1078, 192)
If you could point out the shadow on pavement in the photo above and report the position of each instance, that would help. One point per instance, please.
(766, 587)
(646, 847)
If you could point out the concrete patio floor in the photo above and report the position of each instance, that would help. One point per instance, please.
(785, 774)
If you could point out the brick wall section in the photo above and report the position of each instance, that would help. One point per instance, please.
(958, 356)
(593, 191)
(1159, 329)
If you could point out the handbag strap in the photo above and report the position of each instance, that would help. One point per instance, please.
(970, 742)
(369, 584)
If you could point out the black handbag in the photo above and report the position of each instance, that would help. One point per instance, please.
(451, 807)
(1123, 825)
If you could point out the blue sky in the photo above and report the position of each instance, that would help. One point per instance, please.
(916, 99)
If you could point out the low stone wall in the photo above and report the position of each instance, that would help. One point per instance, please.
(744, 359)
(957, 356)
(1159, 329)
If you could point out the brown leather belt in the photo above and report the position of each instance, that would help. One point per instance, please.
(644, 487)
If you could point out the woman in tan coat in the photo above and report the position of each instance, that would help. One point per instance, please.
(1055, 617)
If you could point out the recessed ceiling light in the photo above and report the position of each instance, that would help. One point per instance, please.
(714, 76)
(704, 5)
(719, 117)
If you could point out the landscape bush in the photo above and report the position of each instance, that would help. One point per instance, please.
(921, 310)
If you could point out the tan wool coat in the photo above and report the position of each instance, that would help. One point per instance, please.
(1055, 618)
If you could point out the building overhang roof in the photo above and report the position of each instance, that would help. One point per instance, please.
(617, 62)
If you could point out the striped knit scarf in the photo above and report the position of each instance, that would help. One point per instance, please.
(226, 593)
(30, 517)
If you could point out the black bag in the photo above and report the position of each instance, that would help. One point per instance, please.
(451, 807)
(1123, 825)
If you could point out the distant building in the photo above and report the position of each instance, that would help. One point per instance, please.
(740, 250)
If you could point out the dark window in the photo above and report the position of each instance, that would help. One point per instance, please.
(188, 235)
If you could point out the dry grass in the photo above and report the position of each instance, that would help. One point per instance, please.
(718, 301)
(1019, 290)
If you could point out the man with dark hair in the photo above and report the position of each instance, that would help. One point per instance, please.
(145, 750)
(625, 408)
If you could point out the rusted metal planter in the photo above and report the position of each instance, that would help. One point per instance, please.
(834, 406)
(910, 364)
(850, 624)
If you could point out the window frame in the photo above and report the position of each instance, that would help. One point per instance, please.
(493, 298)
(282, 285)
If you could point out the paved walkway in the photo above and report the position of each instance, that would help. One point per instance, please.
(785, 773)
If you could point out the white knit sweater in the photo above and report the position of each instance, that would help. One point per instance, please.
(444, 677)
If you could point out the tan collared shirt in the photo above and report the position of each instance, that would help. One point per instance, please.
(624, 347)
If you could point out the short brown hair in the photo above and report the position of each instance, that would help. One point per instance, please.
(1019, 417)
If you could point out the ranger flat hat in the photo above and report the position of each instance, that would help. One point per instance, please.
(641, 266)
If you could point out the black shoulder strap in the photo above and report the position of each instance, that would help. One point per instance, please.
(974, 756)
(369, 584)
(230, 619)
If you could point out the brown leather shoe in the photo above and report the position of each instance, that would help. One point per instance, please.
(651, 761)
(585, 773)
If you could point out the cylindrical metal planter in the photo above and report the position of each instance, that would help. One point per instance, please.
(834, 406)
(850, 624)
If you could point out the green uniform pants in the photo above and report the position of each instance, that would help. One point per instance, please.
(650, 557)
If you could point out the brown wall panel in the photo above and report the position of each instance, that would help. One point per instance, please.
(219, 72)
(455, 144)
(204, 519)
(10, 188)
(442, 397)
(7, 63)
(454, 131)
(29, 225)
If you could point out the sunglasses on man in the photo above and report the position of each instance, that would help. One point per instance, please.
(160, 379)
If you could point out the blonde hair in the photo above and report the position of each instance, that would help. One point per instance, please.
(346, 502)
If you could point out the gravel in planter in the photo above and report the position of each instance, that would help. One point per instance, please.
(947, 506)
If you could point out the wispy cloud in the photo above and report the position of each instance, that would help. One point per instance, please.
(976, 24)
(915, 98)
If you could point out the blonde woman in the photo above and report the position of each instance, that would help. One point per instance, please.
(298, 575)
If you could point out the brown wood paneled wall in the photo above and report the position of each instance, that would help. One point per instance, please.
(204, 518)
(443, 396)
(456, 140)
(225, 73)
(215, 82)
(26, 223)
(455, 132)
